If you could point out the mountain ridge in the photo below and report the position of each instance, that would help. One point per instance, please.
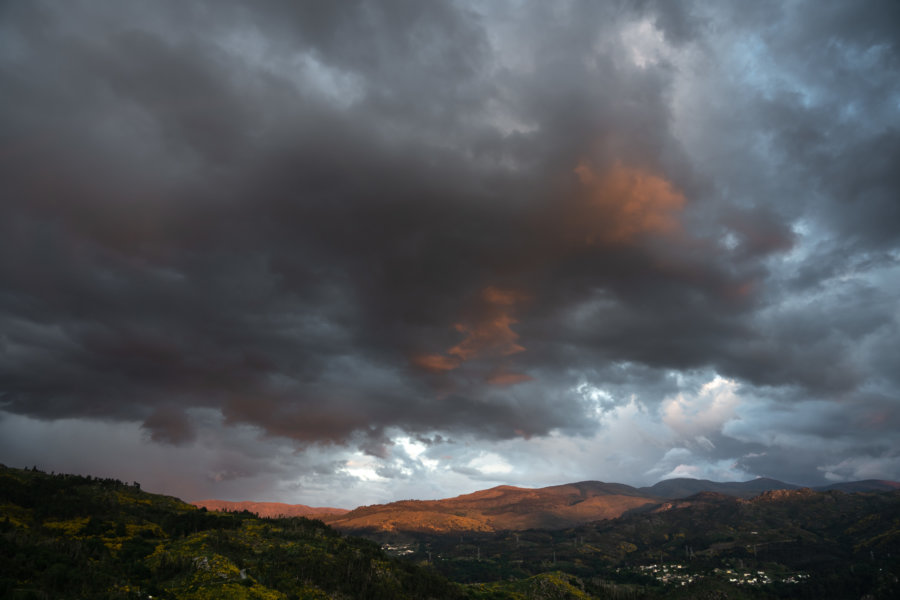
(512, 508)
(681, 487)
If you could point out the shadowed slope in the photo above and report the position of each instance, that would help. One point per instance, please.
(682, 487)
(866, 485)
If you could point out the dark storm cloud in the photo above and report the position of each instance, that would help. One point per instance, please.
(332, 219)
(170, 425)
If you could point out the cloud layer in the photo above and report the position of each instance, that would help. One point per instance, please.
(374, 242)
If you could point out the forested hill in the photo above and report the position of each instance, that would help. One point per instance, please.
(68, 536)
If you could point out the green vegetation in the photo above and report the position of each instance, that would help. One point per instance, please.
(546, 585)
(778, 545)
(64, 536)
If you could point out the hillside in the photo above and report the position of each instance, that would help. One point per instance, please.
(498, 509)
(509, 508)
(67, 536)
(780, 544)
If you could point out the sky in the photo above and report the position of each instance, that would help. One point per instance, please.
(344, 253)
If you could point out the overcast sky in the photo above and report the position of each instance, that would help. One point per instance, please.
(339, 253)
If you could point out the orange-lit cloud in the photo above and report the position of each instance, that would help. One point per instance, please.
(498, 297)
(507, 378)
(623, 203)
(434, 363)
(489, 337)
(488, 332)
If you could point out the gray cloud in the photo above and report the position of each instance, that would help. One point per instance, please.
(335, 223)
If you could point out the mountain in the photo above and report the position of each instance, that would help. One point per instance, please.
(867, 485)
(513, 508)
(270, 509)
(500, 508)
(683, 487)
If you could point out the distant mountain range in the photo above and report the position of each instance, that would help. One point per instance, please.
(682, 487)
(513, 508)
(270, 509)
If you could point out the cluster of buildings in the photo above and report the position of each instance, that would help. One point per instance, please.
(398, 549)
(744, 577)
(673, 574)
(676, 574)
(758, 577)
